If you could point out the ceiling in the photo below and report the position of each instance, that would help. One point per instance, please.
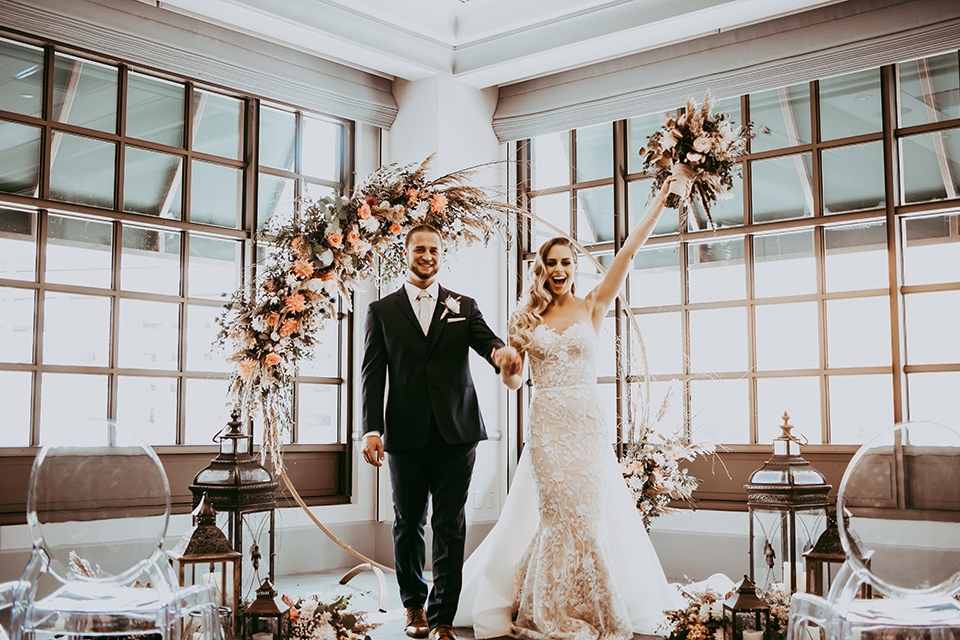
(481, 43)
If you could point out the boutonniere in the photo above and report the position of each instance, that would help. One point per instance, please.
(451, 305)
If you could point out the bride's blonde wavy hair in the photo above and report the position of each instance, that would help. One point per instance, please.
(536, 297)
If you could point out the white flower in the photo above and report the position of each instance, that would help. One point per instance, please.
(694, 158)
(669, 139)
(308, 607)
(259, 324)
(330, 286)
(451, 305)
(275, 336)
(361, 247)
(326, 257)
(315, 285)
(371, 224)
(293, 282)
(702, 144)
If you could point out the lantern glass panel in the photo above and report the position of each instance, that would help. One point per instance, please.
(226, 445)
(243, 445)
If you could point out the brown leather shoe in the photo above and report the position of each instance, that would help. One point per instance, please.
(442, 632)
(417, 626)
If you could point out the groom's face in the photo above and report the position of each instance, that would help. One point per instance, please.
(424, 254)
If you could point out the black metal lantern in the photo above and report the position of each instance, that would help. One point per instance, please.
(829, 551)
(267, 617)
(787, 501)
(237, 484)
(745, 615)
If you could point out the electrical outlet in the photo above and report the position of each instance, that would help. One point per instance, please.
(477, 499)
(491, 497)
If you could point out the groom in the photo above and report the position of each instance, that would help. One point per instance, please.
(419, 339)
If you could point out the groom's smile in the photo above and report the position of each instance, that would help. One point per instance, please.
(424, 254)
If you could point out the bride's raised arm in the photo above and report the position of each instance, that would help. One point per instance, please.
(603, 294)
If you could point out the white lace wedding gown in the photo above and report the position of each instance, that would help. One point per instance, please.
(569, 557)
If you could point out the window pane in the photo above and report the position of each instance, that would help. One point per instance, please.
(85, 93)
(16, 325)
(860, 407)
(150, 261)
(83, 170)
(152, 183)
(931, 166)
(932, 251)
(787, 336)
(641, 128)
(853, 178)
(76, 329)
(207, 409)
(640, 199)
(326, 354)
(782, 188)
(555, 209)
(725, 213)
(149, 334)
(19, 158)
(784, 265)
(655, 279)
(595, 152)
(79, 251)
(551, 160)
(317, 414)
(606, 358)
(858, 332)
(214, 266)
(18, 244)
(218, 201)
(275, 197)
(202, 329)
(799, 397)
(929, 90)
(719, 411)
(588, 276)
(934, 397)
(21, 75)
(671, 421)
(718, 340)
(663, 342)
(716, 271)
(68, 397)
(850, 105)
(16, 390)
(155, 110)
(278, 137)
(321, 149)
(312, 191)
(219, 125)
(148, 407)
(595, 215)
(931, 327)
(786, 112)
(856, 257)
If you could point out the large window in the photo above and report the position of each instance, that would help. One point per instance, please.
(129, 205)
(828, 289)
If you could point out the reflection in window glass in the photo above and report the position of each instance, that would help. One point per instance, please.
(20, 150)
(321, 149)
(640, 198)
(850, 105)
(21, 76)
(149, 334)
(207, 409)
(931, 166)
(655, 280)
(16, 389)
(148, 407)
(718, 340)
(786, 113)
(784, 264)
(719, 411)
(219, 125)
(278, 138)
(214, 266)
(202, 329)
(554, 209)
(76, 329)
(932, 252)
(16, 325)
(797, 320)
(79, 251)
(551, 160)
(931, 327)
(782, 189)
(317, 417)
(934, 397)
(853, 178)
(68, 397)
(860, 407)
(856, 257)
(594, 153)
(150, 260)
(275, 197)
(326, 354)
(152, 183)
(18, 244)
(218, 200)
(663, 342)
(799, 397)
(858, 332)
(595, 215)
(155, 110)
(716, 271)
(83, 170)
(929, 90)
(85, 93)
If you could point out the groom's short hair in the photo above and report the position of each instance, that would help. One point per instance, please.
(429, 228)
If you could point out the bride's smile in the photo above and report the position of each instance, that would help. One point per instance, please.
(560, 270)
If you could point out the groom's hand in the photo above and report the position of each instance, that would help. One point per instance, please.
(508, 360)
(373, 450)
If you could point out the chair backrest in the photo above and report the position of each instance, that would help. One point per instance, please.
(902, 490)
(98, 490)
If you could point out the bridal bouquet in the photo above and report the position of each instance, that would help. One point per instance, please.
(698, 149)
(311, 619)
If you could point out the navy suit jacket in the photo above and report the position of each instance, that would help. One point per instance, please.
(429, 375)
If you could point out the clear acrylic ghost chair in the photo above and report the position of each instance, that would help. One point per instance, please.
(903, 491)
(97, 510)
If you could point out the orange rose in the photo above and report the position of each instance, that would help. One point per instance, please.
(295, 303)
(395, 228)
(412, 196)
(364, 211)
(371, 200)
(272, 359)
(438, 203)
(246, 367)
(335, 239)
(272, 318)
(289, 326)
(352, 237)
(303, 268)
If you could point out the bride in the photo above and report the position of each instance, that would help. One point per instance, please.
(580, 566)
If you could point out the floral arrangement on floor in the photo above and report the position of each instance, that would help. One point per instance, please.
(699, 149)
(702, 619)
(311, 619)
(325, 252)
